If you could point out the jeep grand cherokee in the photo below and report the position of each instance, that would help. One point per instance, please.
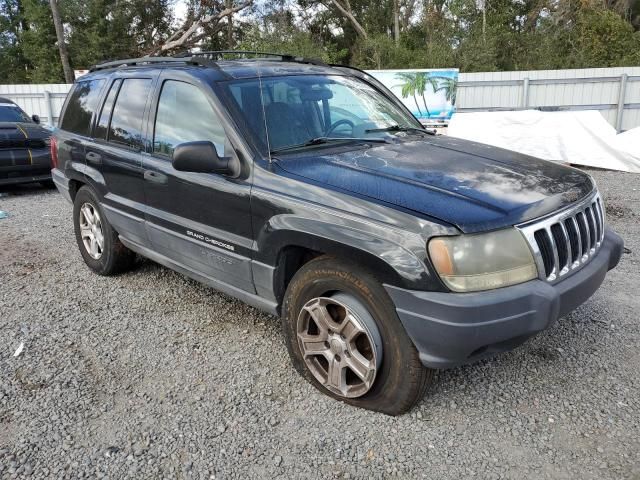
(310, 191)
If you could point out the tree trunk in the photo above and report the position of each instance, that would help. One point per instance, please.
(484, 21)
(229, 5)
(346, 11)
(62, 47)
(396, 21)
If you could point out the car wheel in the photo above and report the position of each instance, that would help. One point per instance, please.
(344, 336)
(98, 242)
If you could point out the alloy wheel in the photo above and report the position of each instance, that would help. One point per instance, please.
(340, 343)
(91, 231)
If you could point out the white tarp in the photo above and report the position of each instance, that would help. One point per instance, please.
(581, 137)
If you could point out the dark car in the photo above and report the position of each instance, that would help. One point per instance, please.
(24, 146)
(309, 191)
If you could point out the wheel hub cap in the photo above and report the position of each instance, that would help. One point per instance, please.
(91, 230)
(340, 344)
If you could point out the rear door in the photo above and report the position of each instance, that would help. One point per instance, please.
(199, 220)
(115, 155)
(74, 133)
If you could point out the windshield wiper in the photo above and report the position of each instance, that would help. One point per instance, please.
(323, 140)
(398, 128)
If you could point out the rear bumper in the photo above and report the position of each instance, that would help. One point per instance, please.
(62, 183)
(450, 329)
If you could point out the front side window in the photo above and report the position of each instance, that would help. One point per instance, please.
(128, 113)
(81, 106)
(185, 115)
(297, 109)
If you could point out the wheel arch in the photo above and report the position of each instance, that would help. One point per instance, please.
(291, 242)
(294, 255)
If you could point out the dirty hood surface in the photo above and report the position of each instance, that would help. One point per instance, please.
(473, 186)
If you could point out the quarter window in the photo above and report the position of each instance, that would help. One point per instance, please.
(185, 115)
(103, 122)
(81, 106)
(128, 113)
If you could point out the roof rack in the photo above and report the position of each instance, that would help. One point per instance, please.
(256, 55)
(153, 60)
(205, 59)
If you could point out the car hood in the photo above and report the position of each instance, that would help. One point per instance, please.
(473, 186)
(22, 130)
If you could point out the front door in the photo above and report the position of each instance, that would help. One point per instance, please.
(201, 221)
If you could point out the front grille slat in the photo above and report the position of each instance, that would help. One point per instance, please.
(596, 217)
(574, 236)
(565, 242)
(576, 226)
(592, 229)
(546, 248)
(561, 248)
(601, 212)
(584, 234)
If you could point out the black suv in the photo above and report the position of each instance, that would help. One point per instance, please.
(309, 191)
(24, 146)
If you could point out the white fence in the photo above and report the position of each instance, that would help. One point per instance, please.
(44, 100)
(615, 92)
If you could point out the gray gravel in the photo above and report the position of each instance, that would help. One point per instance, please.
(150, 374)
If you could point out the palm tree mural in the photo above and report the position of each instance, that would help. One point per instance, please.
(449, 86)
(419, 83)
(411, 86)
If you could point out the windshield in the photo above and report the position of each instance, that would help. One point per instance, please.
(12, 113)
(301, 108)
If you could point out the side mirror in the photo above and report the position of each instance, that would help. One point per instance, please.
(200, 157)
(35, 118)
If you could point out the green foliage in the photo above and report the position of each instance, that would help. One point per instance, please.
(290, 40)
(511, 35)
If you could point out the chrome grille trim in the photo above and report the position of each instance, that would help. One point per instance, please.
(587, 221)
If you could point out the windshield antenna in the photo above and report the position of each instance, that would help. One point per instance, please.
(264, 114)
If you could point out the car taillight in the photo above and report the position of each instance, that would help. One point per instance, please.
(54, 152)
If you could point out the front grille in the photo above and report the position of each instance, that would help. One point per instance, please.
(565, 242)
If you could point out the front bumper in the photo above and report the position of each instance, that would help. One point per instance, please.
(22, 166)
(450, 329)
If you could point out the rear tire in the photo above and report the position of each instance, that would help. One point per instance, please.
(98, 242)
(399, 380)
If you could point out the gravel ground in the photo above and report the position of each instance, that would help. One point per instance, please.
(150, 374)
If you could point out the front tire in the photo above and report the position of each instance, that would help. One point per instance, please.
(98, 242)
(344, 336)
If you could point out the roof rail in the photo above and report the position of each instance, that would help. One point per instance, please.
(206, 59)
(218, 54)
(153, 60)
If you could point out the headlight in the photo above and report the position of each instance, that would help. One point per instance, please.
(468, 263)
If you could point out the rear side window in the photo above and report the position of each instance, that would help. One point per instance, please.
(103, 121)
(128, 113)
(185, 115)
(81, 106)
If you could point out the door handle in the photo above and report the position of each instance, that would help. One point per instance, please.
(93, 157)
(155, 177)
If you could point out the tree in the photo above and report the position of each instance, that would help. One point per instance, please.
(62, 46)
(199, 25)
(344, 6)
